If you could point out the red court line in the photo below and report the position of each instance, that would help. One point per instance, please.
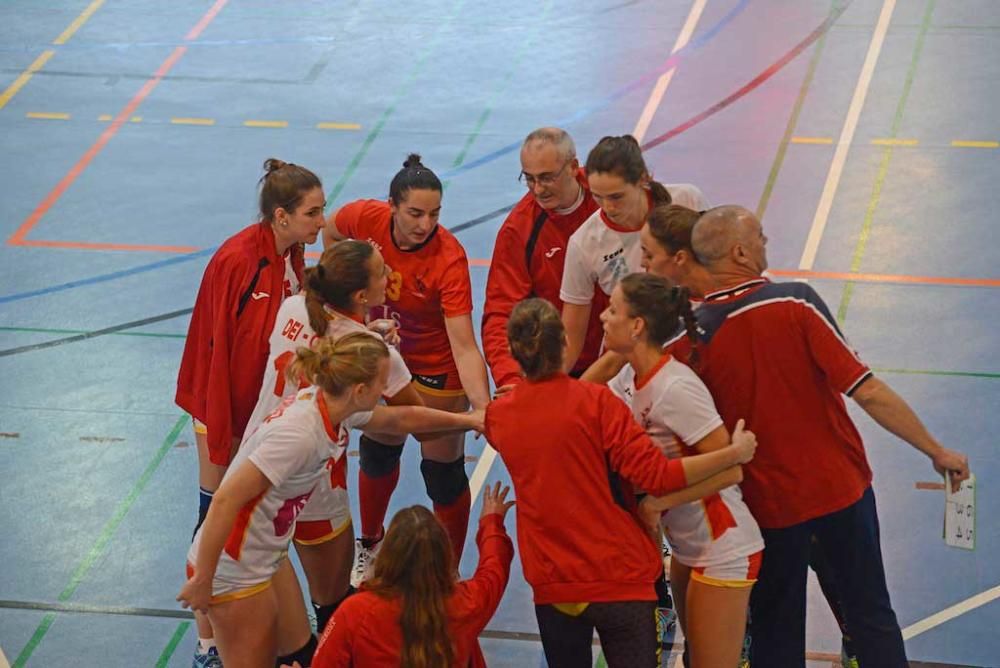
(84, 245)
(18, 238)
(887, 278)
(933, 486)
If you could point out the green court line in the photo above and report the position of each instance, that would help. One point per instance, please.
(45, 330)
(391, 109)
(107, 533)
(171, 647)
(793, 120)
(934, 372)
(883, 170)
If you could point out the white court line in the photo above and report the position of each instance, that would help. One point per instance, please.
(653, 103)
(846, 137)
(489, 454)
(3, 660)
(951, 613)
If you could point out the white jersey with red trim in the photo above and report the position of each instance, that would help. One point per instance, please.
(292, 331)
(293, 448)
(601, 253)
(676, 410)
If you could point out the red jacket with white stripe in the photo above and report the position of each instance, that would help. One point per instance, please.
(227, 343)
(561, 440)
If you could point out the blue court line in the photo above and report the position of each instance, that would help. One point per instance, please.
(671, 62)
(159, 264)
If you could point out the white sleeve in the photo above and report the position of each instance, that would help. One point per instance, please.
(357, 420)
(619, 384)
(578, 279)
(689, 196)
(688, 409)
(283, 452)
(399, 375)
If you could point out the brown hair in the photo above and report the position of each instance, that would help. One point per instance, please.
(335, 366)
(342, 270)
(536, 334)
(283, 186)
(671, 226)
(662, 305)
(622, 157)
(415, 563)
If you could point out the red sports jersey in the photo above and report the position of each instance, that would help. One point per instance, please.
(560, 439)
(427, 284)
(226, 348)
(365, 629)
(772, 353)
(515, 275)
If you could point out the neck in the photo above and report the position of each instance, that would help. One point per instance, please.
(725, 277)
(643, 357)
(643, 214)
(577, 196)
(338, 408)
(281, 241)
(698, 281)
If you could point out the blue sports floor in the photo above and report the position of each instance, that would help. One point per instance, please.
(865, 133)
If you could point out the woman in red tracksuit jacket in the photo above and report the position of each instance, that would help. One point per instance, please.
(589, 562)
(397, 620)
(227, 343)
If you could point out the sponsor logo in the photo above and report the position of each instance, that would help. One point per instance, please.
(259, 295)
(612, 256)
(552, 251)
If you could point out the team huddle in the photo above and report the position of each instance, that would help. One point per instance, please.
(651, 385)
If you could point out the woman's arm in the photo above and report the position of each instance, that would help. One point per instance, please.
(715, 440)
(468, 359)
(331, 234)
(403, 420)
(575, 319)
(605, 368)
(236, 491)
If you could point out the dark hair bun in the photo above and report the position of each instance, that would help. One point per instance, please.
(273, 165)
(412, 161)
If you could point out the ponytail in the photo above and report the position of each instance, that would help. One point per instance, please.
(336, 366)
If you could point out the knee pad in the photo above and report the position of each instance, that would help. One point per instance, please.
(444, 482)
(377, 459)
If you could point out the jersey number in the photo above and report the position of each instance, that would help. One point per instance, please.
(394, 286)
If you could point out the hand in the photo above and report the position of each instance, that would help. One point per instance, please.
(953, 465)
(495, 501)
(649, 517)
(503, 389)
(196, 594)
(745, 442)
(478, 419)
(387, 329)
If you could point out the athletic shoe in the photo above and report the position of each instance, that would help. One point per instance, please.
(209, 659)
(666, 622)
(848, 661)
(364, 559)
(745, 652)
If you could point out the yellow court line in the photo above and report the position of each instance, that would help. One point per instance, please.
(24, 77)
(338, 126)
(812, 140)
(958, 143)
(193, 121)
(49, 116)
(136, 119)
(266, 124)
(105, 117)
(78, 21)
(895, 142)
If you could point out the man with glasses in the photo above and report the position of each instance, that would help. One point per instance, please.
(530, 247)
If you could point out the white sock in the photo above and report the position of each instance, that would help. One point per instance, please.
(205, 644)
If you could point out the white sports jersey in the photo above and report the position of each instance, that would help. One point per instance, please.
(293, 448)
(291, 284)
(671, 404)
(601, 253)
(292, 331)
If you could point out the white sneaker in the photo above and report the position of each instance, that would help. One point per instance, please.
(364, 560)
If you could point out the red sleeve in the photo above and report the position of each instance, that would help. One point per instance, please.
(334, 650)
(829, 348)
(349, 217)
(496, 551)
(507, 284)
(455, 287)
(632, 453)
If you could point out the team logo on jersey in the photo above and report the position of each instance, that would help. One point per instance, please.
(611, 256)
(289, 510)
(421, 290)
(259, 295)
(552, 251)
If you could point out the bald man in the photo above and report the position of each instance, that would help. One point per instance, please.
(773, 353)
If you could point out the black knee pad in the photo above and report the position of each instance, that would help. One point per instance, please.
(377, 459)
(444, 482)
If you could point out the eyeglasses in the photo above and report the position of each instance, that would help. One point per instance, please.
(545, 180)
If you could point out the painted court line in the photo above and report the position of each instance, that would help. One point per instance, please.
(653, 103)
(107, 533)
(48, 115)
(975, 144)
(951, 612)
(846, 137)
(46, 204)
(3, 660)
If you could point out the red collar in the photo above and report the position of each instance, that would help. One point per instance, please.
(640, 381)
(331, 430)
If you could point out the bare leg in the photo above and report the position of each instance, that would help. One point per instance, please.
(328, 567)
(716, 621)
(293, 629)
(246, 630)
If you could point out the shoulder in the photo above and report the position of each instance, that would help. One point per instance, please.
(449, 244)
(520, 219)
(687, 194)
(240, 249)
